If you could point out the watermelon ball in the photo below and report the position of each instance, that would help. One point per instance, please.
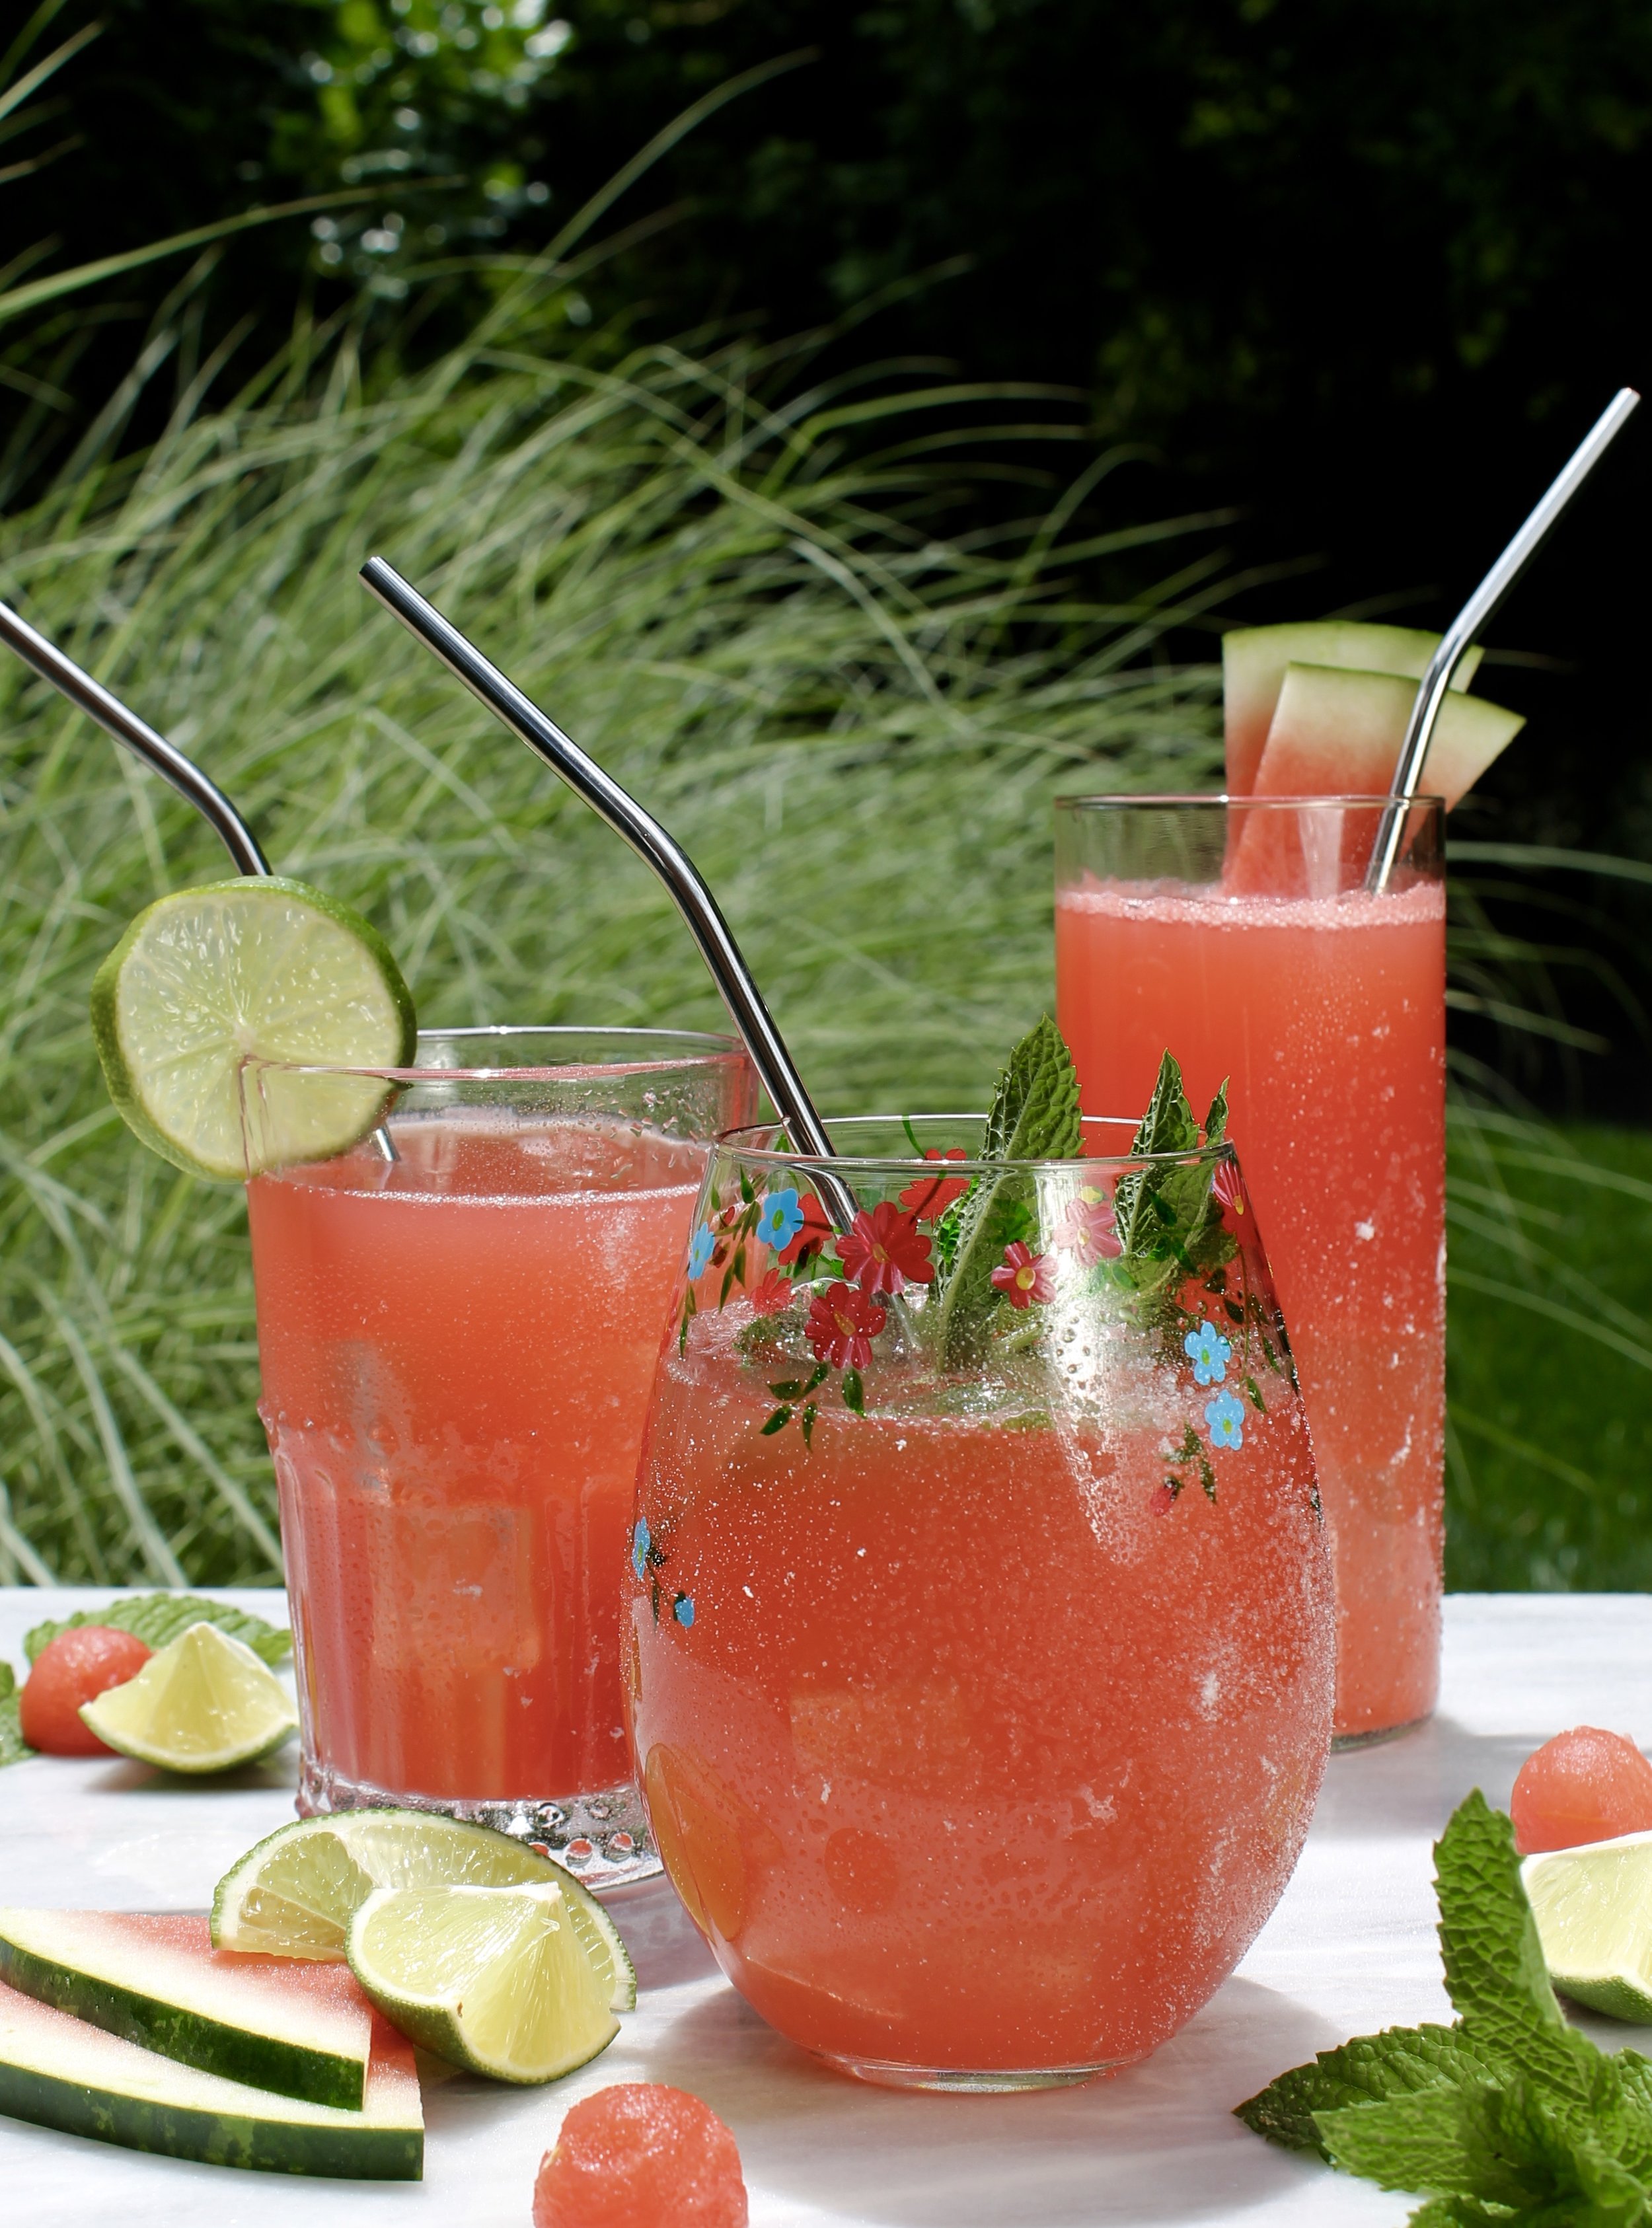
(77, 1666)
(641, 2155)
(1585, 1785)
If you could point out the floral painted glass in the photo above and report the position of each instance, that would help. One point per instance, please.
(981, 1636)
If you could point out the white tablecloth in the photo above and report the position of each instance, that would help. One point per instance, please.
(1351, 1948)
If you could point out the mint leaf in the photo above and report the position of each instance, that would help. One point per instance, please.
(158, 1618)
(1399, 2062)
(1034, 1116)
(1216, 1120)
(1424, 2142)
(13, 1747)
(1494, 1973)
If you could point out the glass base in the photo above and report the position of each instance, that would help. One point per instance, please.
(603, 1839)
(1341, 1742)
(957, 2081)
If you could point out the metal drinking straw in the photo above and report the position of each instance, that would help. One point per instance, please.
(776, 1070)
(141, 739)
(1476, 613)
(167, 760)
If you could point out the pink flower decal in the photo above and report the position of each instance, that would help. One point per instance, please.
(1086, 1230)
(928, 1198)
(817, 1229)
(1024, 1277)
(842, 1326)
(883, 1252)
(773, 1294)
(1225, 1190)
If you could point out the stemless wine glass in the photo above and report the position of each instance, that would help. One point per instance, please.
(457, 1346)
(1239, 931)
(980, 1647)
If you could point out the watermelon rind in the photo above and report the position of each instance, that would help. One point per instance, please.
(157, 1983)
(58, 2071)
(295, 1893)
(1253, 668)
(1339, 733)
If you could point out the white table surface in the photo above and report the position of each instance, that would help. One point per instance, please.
(1351, 1948)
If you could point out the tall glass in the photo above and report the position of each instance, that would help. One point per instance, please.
(456, 1347)
(980, 1661)
(1237, 931)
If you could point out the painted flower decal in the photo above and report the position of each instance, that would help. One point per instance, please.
(682, 1610)
(642, 1540)
(1225, 1189)
(773, 1296)
(842, 1326)
(1225, 1417)
(811, 1234)
(1087, 1231)
(883, 1251)
(928, 1198)
(1208, 1351)
(1024, 1277)
(780, 1220)
(701, 1246)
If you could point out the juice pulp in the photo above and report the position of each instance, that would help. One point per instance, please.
(457, 1351)
(1327, 1016)
(976, 1751)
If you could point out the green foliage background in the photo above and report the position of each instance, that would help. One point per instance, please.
(847, 616)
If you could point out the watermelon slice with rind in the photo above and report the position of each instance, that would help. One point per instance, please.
(58, 2071)
(279, 2023)
(1254, 660)
(1339, 734)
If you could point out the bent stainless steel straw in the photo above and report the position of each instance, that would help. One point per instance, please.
(1476, 613)
(166, 758)
(776, 1070)
(140, 739)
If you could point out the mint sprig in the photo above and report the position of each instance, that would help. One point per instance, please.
(1034, 1116)
(13, 1747)
(156, 1619)
(1508, 2116)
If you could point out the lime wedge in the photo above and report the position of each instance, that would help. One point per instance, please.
(489, 1978)
(205, 1703)
(264, 969)
(295, 1894)
(1593, 1908)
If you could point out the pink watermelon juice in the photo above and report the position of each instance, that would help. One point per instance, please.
(976, 1752)
(1327, 1012)
(457, 1350)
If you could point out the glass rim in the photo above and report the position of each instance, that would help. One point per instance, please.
(1113, 800)
(848, 1164)
(698, 1048)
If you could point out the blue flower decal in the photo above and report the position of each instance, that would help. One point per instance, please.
(1208, 1350)
(642, 1540)
(682, 1609)
(780, 1220)
(1225, 1417)
(701, 1246)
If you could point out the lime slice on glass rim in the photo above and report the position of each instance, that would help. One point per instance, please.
(295, 1894)
(205, 1703)
(493, 1979)
(258, 968)
(1593, 1908)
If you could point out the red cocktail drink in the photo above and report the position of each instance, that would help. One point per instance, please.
(1239, 935)
(457, 1350)
(980, 1723)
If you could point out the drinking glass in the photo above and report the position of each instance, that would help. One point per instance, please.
(457, 1346)
(1237, 931)
(979, 1648)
